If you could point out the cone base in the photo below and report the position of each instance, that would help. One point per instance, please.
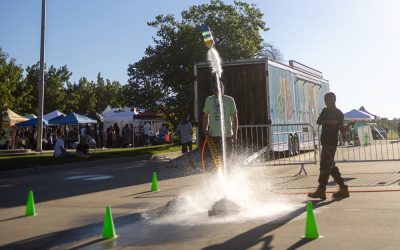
(223, 207)
(107, 238)
(321, 236)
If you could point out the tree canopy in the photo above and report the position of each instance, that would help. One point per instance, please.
(163, 79)
(13, 89)
(20, 93)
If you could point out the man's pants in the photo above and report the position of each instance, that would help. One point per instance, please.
(228, 145)
(327, 167)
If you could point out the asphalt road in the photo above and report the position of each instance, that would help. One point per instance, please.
(70, 202)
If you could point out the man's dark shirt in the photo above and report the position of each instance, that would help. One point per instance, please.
(83, 148)
(329, 135)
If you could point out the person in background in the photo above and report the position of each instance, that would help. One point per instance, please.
(146, 131)
(82, 149)
(59, 149)
(161, 133)
(185, 132)
(126, 131)
(116, 136)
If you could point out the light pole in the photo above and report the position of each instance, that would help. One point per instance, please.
(41, 81)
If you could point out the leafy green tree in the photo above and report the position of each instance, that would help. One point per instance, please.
(56, 80)
(101, 93)
(73, 97)
(163, 79)
(107, 92)
(112, 94)
(81, 97)
(14, 93)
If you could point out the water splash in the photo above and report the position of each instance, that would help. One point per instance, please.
(215, 61)
(240, 185)
(248, 188)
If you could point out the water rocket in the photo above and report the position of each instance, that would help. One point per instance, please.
(207, 36)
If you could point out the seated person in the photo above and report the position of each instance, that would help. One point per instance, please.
(83, 148)
(59, 150)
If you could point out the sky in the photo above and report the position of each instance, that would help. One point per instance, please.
(355, 43)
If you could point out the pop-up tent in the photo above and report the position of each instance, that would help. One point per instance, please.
(30, 116)
(55, 119)
(10, 118)
(73, 119)
(121, 117)
(31, 123)
(108, 111)
(155, 121)
(96, 116)
(362, 108)
(52, 115)
(357, 115)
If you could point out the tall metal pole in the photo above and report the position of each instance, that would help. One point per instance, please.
(41, 81)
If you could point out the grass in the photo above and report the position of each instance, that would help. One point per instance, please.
(34, 160)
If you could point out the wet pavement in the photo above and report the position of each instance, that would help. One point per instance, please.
(71, 202)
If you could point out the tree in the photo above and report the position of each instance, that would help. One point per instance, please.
(14, 93)
(163, 79)
(271, 52)
(56, 80)
(107, 93)
(81, 97)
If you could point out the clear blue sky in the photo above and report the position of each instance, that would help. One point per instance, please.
(355, 43)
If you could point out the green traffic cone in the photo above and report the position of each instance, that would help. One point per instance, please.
(311, 226)
(30, 205)
(108, 226)
(154, 184)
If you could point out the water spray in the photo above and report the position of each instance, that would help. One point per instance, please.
(223, 206)
(215, 61)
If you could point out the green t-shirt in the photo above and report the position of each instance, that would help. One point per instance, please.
(212, 107)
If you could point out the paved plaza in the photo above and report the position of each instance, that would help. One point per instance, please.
(71, 200)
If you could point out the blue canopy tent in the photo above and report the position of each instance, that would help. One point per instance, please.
(73, 119)
(55, 119)
(357, 115)
(31, 123)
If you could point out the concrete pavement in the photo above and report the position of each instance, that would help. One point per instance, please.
(71, 205)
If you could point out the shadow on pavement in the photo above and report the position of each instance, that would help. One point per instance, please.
(254, 236)
(70, 235)
(299, 244)
(54, 184)
(13, 218)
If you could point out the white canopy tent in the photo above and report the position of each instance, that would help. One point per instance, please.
(52, 115)
(121, 117)
(108, 111)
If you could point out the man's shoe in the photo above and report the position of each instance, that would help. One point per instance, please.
(342, 192)
(319, 193)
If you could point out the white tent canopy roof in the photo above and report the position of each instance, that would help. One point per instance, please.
(108, 111)
(52, 115)
(120, 115)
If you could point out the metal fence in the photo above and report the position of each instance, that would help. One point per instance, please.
(299, 144)
(369, 141)
(285, 144)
